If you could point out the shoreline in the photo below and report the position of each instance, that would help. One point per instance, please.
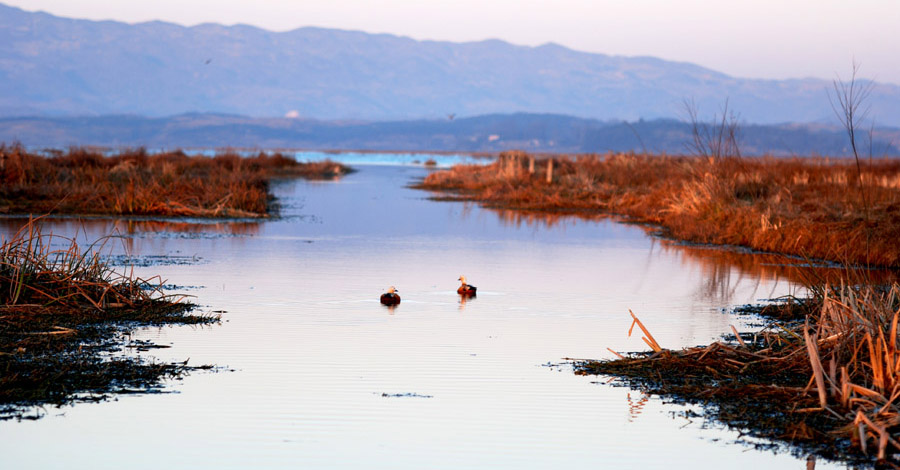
(63, 312)
(811, 208)
(813, 378)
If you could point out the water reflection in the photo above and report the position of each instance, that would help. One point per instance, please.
(391, 308)
(723, 268)
(130, 228)
(636, 407)
(195, 228)
(463, 300)
(519, 219)
(314, 353)
(726, 268)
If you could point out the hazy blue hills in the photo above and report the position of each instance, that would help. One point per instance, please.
(64, 67)
(490, 133)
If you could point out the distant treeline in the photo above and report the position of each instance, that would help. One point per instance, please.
(548, 133)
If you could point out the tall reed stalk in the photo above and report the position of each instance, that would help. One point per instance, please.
(38, 269)
(855, 358)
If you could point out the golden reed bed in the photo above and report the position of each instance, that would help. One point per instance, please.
(83, 181)
(808, 207)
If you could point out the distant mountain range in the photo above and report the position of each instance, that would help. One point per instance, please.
(491, 133)
(55, 66)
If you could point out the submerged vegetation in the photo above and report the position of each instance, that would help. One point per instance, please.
(812, 208)
(86, 182)
(63, 312)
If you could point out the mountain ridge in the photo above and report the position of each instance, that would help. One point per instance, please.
(544, 133)
(60, 66)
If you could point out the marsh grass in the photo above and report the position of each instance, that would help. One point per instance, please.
(62, 310)
(84, 181)
(810, 208)
(825, 374)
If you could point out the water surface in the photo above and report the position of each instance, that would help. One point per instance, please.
(325, 377)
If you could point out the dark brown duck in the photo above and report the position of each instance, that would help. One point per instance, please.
(390, 297)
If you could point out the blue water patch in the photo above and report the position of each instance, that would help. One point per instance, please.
(379, 158)
(440, 160)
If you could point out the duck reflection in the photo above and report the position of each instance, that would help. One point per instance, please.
(463, 299)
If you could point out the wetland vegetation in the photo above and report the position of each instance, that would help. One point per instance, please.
(810, 208)
(823, 373)
(137, 183)
(63, 312)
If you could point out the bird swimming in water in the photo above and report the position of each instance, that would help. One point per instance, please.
(466, 289)
(390, 297)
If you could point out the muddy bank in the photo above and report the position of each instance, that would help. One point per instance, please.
(820, 378)
(64, 317)
(57, 356)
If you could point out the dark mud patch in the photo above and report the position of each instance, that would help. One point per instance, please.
(153, 260)
(177, 287)
(190, 235)
(57, 357)
(405, 395)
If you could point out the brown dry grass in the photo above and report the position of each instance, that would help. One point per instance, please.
(831, 380)
(814, 208)
(83, 181)
(62, 309)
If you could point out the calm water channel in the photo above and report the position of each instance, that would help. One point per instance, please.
(322, 376)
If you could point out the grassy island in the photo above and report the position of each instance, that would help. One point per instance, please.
(136, 183)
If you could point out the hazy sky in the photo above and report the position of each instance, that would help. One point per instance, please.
(754, 39)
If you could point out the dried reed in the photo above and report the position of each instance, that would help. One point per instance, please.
(61, 307)
(83, 181)
(834, 376)
(804, 207)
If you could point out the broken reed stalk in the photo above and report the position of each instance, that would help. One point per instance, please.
(738, 336)
(648, 338)
(617, 354)
(816, 365)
